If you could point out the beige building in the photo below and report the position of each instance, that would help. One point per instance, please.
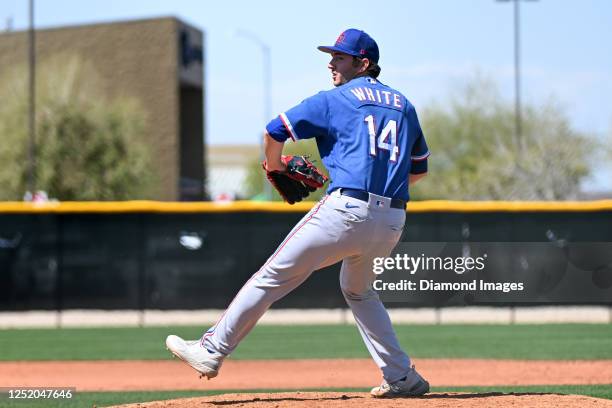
(228, 170)
(157, 61)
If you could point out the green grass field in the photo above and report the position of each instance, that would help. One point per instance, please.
(533, 342)
(562, 341)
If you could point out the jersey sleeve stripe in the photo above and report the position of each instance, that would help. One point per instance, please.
(287, 124)
(419, 158)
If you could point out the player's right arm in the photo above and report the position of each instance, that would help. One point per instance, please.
(306, 120)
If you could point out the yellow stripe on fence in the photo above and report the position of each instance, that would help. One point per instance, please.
(261, 206)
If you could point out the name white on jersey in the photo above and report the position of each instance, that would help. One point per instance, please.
(365, 93)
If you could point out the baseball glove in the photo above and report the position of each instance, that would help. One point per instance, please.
(299, 179)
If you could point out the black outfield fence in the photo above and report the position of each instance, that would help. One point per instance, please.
(147, 255)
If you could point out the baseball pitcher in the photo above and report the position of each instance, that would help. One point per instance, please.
(372, 145)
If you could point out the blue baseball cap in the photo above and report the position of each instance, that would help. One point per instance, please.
(354, 42)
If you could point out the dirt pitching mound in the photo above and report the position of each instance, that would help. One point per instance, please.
(354, 399)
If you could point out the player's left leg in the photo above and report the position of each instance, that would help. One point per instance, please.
(373, 322)
(372, 319)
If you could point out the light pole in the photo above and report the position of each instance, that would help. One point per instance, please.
(267, 95)
(517, 72)
(32, 103)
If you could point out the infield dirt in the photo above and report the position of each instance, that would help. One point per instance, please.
(295, 374)
(352, 399)
(308, 374)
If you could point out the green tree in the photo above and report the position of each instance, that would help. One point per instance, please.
(476, 154)
(88, 147)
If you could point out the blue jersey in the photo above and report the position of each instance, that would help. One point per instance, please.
(368, 136)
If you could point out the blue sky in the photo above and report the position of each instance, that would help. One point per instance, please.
(428, 48)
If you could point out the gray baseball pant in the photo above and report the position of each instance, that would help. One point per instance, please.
(337, 228)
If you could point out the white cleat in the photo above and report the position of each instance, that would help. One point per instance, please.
(199, 358)
(412, 386)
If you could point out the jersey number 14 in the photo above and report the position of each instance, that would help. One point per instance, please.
(387, 139)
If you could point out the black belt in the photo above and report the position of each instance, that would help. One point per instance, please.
(365, 196)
